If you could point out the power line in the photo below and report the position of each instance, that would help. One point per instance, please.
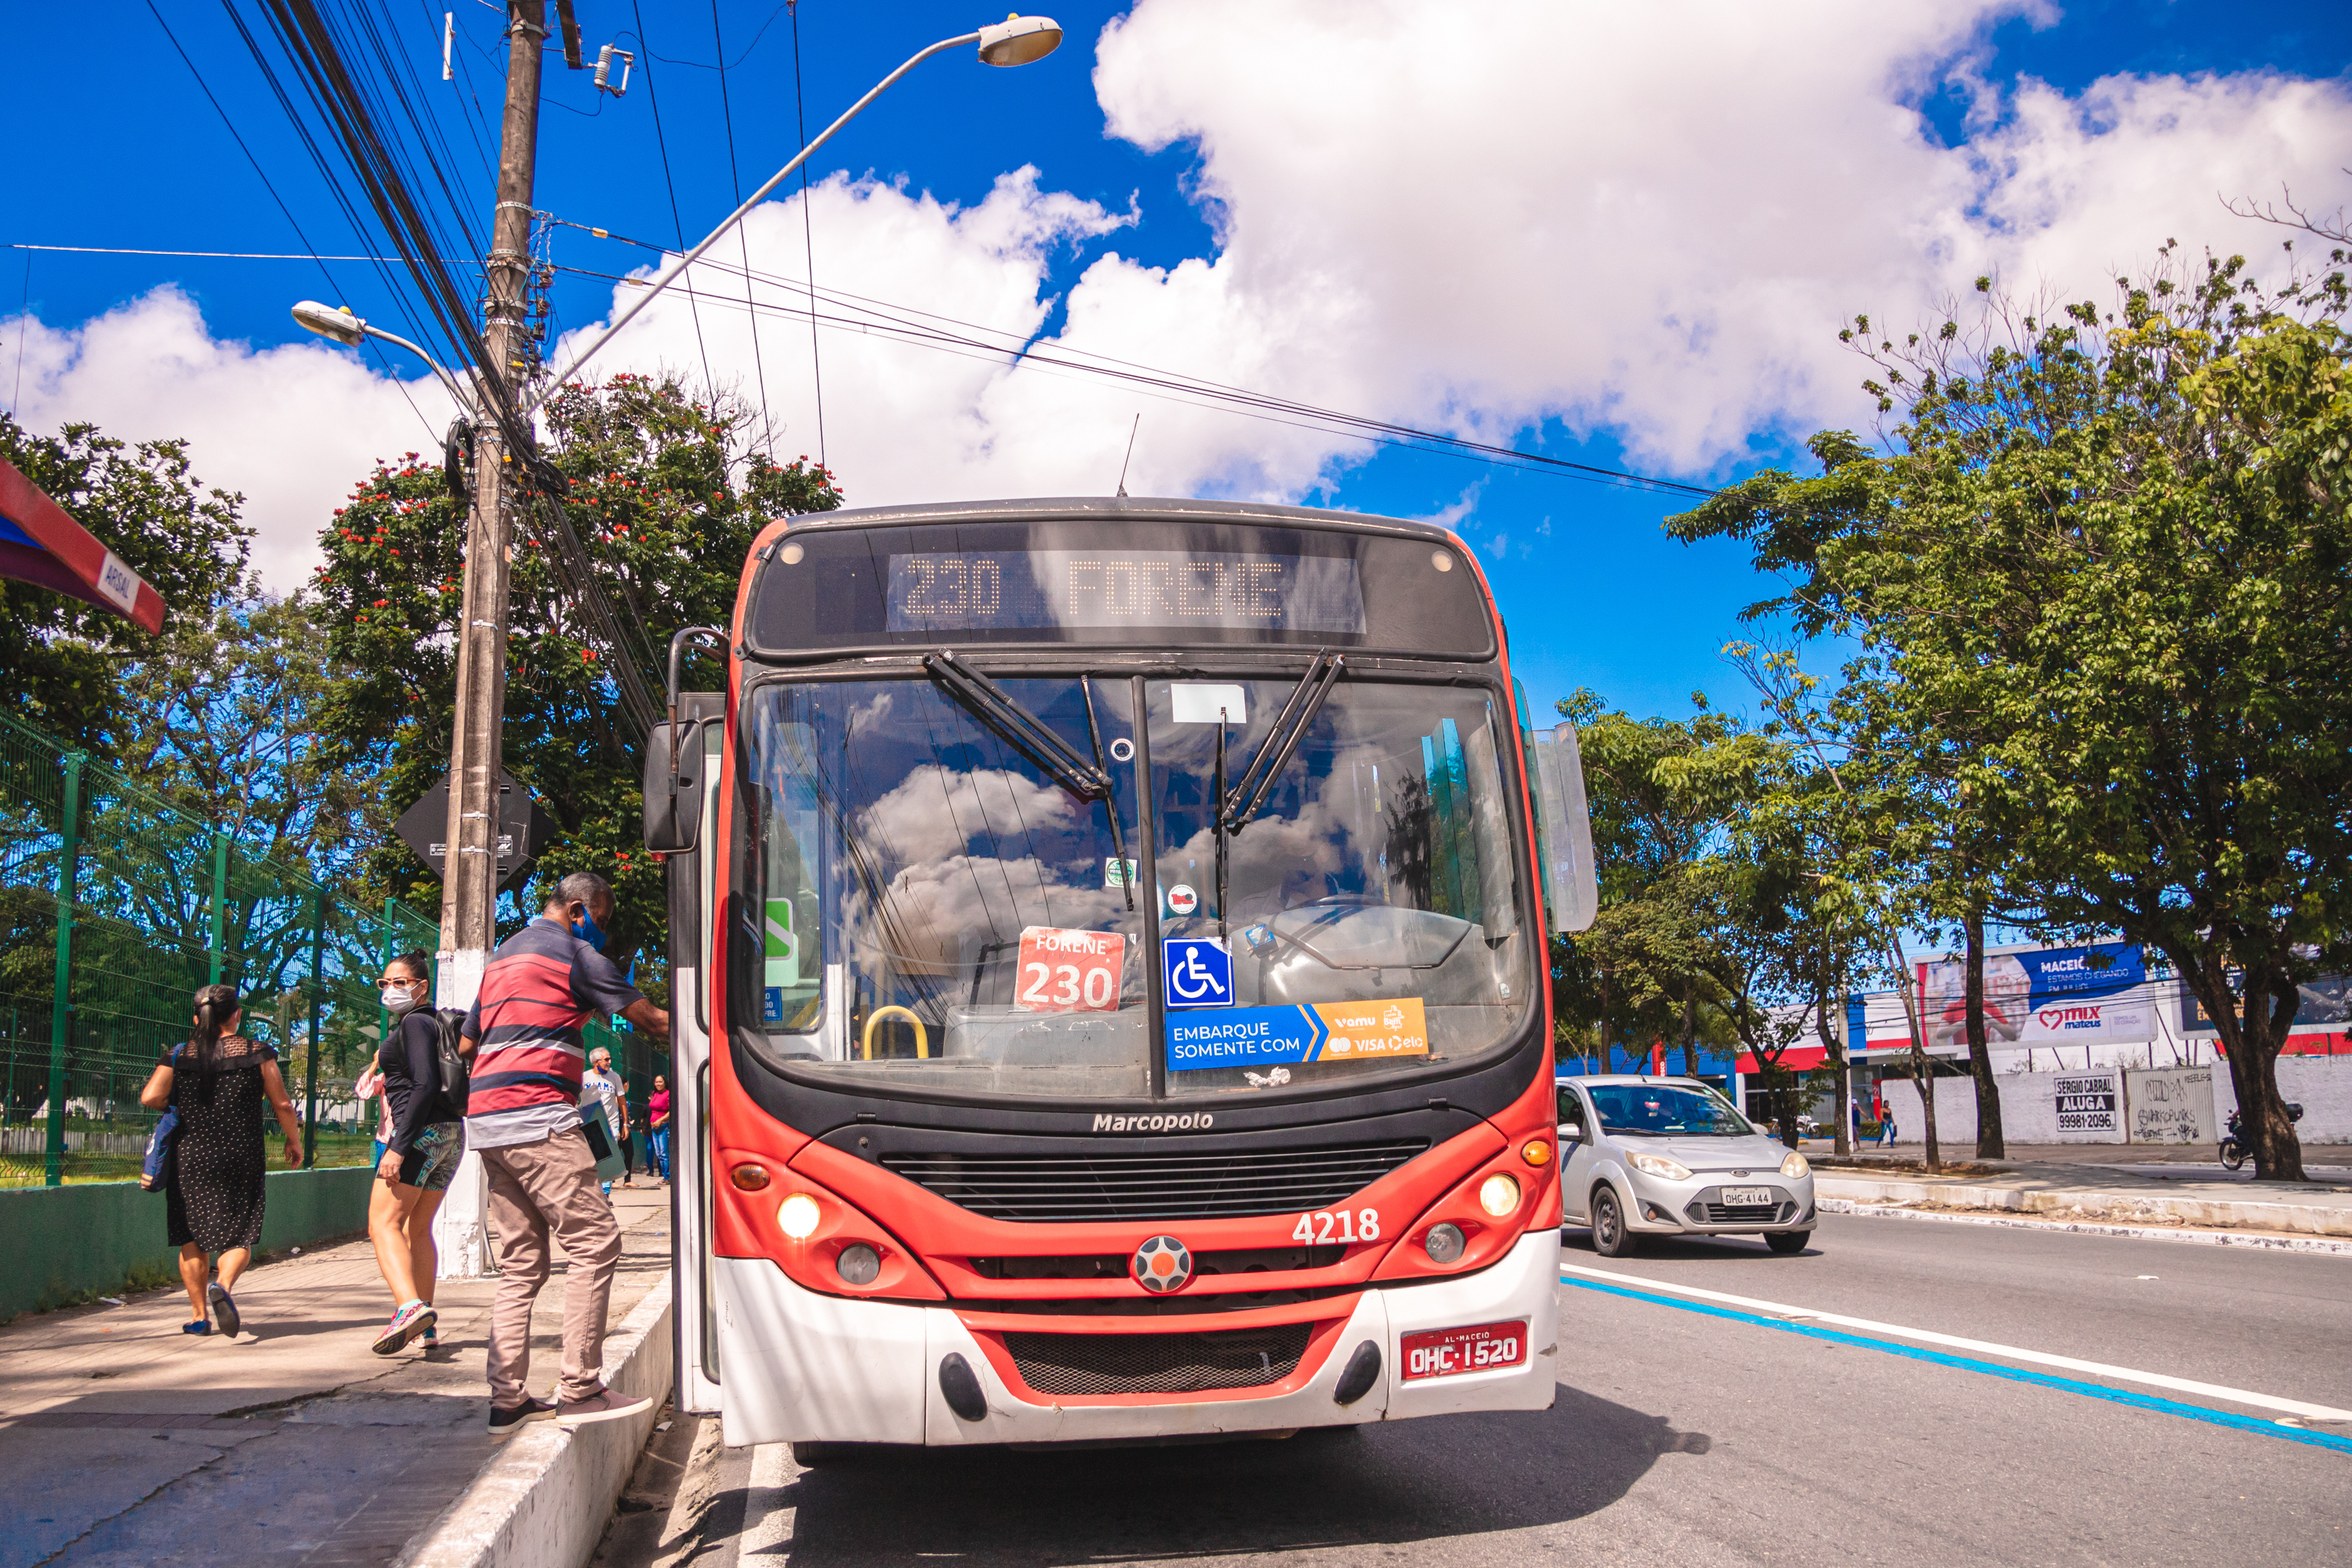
(742, 237)
(677, 223)
(876, 317)
(201, 255)
(287, 213)
(808, 238)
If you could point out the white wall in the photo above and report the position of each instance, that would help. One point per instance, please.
(2166, 1105)
(2322, 1084)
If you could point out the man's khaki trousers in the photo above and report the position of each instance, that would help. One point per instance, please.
(536, 1188)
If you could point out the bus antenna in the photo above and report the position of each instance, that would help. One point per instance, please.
(1130, 452)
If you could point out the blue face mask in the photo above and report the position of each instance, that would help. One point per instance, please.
(586, 928)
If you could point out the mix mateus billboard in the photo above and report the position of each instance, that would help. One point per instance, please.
(2042, 996)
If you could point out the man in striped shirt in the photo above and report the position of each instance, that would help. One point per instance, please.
(522, 1115)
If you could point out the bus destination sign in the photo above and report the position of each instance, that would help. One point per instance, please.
(995, 590)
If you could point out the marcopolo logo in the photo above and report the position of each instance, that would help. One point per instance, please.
(1194, 1122)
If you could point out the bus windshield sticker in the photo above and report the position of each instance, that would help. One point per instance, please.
(1069, 971)
(1119, 873)
(1319, 1032)
(1201, 702)
(1199, 969)
(993, 590)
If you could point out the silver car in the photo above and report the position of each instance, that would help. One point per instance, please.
(1669, 1156)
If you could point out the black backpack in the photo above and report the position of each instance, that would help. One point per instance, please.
(450, 1061)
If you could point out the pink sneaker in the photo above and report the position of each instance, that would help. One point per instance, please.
(411, 1321)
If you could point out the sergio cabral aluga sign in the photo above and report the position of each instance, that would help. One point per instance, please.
(2085, 1102)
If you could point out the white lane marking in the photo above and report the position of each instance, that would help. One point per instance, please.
(767, 1519)
(1983, 1347)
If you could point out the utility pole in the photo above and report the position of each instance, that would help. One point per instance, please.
(471, 877)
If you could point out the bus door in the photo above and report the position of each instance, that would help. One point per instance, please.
(693, 881)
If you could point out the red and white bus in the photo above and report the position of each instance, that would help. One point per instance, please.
(1110, 987)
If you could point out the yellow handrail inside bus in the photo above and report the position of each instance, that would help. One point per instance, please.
(922, 1036)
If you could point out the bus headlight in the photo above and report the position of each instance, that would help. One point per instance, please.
(858, 1264)
(1794, 1166)
(1498, 1194)
(797, 1215)
(1444, 1243)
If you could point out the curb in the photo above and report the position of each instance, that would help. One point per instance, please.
(545, 1501)
(2098, 1205)
(2271, 1241)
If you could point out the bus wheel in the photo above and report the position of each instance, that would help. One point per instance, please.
(1609, 1237)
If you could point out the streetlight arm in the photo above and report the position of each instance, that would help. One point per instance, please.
(465, 404)
(678, 269)
(338, 324)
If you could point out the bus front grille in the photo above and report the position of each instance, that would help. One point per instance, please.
(1081, 1365)
(1230, 1183)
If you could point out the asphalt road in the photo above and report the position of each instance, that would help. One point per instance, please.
(1691, 1432)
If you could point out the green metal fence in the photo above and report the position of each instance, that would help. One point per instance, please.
(114, 908)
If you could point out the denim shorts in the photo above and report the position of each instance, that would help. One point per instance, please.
(432, 1159)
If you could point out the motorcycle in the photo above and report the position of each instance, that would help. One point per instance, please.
(2235, 1147)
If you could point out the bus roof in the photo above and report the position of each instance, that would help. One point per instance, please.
(1139, 508)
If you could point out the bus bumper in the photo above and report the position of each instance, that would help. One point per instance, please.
(803, 1367)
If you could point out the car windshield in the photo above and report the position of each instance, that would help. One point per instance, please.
(1665, 1111)
(940, 910)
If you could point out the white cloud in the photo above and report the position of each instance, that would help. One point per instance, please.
(1646, 221)
(291, 426)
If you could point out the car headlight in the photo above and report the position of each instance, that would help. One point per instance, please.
(1658, 1166)
(1795, 1167)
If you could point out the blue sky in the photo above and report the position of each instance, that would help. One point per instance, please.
(1593, 592)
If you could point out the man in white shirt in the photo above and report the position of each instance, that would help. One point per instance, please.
(602, 1081)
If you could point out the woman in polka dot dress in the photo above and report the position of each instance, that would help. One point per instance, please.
(213, 1181)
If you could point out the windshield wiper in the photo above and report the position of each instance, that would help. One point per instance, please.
(1247, 797)
(1234, 807)
(1110, 806)
(996, 707)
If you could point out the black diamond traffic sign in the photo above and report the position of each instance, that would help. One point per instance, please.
(524, 828)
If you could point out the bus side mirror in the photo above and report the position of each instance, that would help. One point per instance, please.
(1563, 828)
(673, 803)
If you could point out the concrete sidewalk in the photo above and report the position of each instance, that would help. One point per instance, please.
(2089, 1181)
(127, 1442)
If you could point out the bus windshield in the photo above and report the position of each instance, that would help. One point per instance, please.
(942, 912)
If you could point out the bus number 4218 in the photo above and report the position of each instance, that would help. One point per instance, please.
(1327, 1226)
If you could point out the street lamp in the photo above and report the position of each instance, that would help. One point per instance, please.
(1015, 41)
(335, 323)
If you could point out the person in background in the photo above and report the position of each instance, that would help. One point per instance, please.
(369, 1086)
(522, 1116)
(1886, 1125)
(216, 1184)
(425, 1137)
(601, 1081)
(658, 1128)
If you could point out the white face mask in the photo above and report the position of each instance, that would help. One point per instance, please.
(400, 999)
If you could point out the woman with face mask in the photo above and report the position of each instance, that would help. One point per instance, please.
(424, 1138)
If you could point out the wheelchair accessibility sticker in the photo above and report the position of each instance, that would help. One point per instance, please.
(1321, 1032)
(1200, 972)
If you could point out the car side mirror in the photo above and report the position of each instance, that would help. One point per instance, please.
(1569, 1132)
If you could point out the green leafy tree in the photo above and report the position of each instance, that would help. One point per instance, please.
(666, 498)
(65, 658)
(2104, 557)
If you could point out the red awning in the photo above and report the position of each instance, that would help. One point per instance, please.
(1795, 1058)
(40, 544)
